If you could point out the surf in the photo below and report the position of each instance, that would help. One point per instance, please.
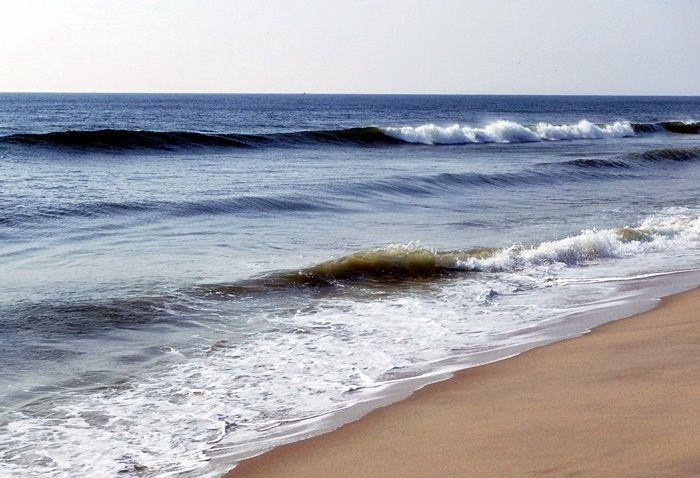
(501, 131)
(398, 264)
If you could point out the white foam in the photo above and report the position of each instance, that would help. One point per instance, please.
(504, 131)
(583, 130)
(675, 230)
(656, 233)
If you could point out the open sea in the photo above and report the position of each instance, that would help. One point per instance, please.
(186, 280)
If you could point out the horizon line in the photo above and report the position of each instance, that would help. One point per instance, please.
(302, 93)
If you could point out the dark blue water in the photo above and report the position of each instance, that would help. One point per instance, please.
(181, 275)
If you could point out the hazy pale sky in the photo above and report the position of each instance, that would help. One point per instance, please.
(352, 46)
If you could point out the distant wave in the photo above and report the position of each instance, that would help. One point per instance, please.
(501, 131)
(679, 127)
(343, 197)
(241, 205)
(115, 139)
(645, 158)
(544, 173)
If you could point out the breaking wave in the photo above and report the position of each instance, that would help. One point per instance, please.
(503, 131)
(413, 262)
(500, 131)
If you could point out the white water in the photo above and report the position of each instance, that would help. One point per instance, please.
(656, 233)
(504, 131)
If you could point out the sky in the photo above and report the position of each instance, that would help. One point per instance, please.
(351, 46)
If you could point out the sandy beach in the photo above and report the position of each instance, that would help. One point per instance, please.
(623, 400)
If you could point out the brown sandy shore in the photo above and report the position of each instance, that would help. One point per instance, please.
(623, 400)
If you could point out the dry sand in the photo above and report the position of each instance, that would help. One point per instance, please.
(621, 401)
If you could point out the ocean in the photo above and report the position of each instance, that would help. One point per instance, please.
(186, 280)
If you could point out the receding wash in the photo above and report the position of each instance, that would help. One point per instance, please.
(188, 280)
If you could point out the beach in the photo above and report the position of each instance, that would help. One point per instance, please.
(622, 400)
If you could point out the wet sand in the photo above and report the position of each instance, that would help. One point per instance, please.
(621, 401)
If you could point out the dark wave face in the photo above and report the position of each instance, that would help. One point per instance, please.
(116, 140)
(678, 127)
(629, 161)
(124, 139)
(386, 268)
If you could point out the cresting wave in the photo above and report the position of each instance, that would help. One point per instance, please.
(413, 262)
(116, 139)
(385, 269)
(501, 131)
(504, 131)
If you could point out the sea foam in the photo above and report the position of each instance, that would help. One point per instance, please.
(654, 234)
(504, 131)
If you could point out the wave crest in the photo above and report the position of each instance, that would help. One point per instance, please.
(500, 131)
(653, 234)
(401, 263)
(503, 131)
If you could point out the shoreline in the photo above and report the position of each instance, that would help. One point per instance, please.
(539, 412)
